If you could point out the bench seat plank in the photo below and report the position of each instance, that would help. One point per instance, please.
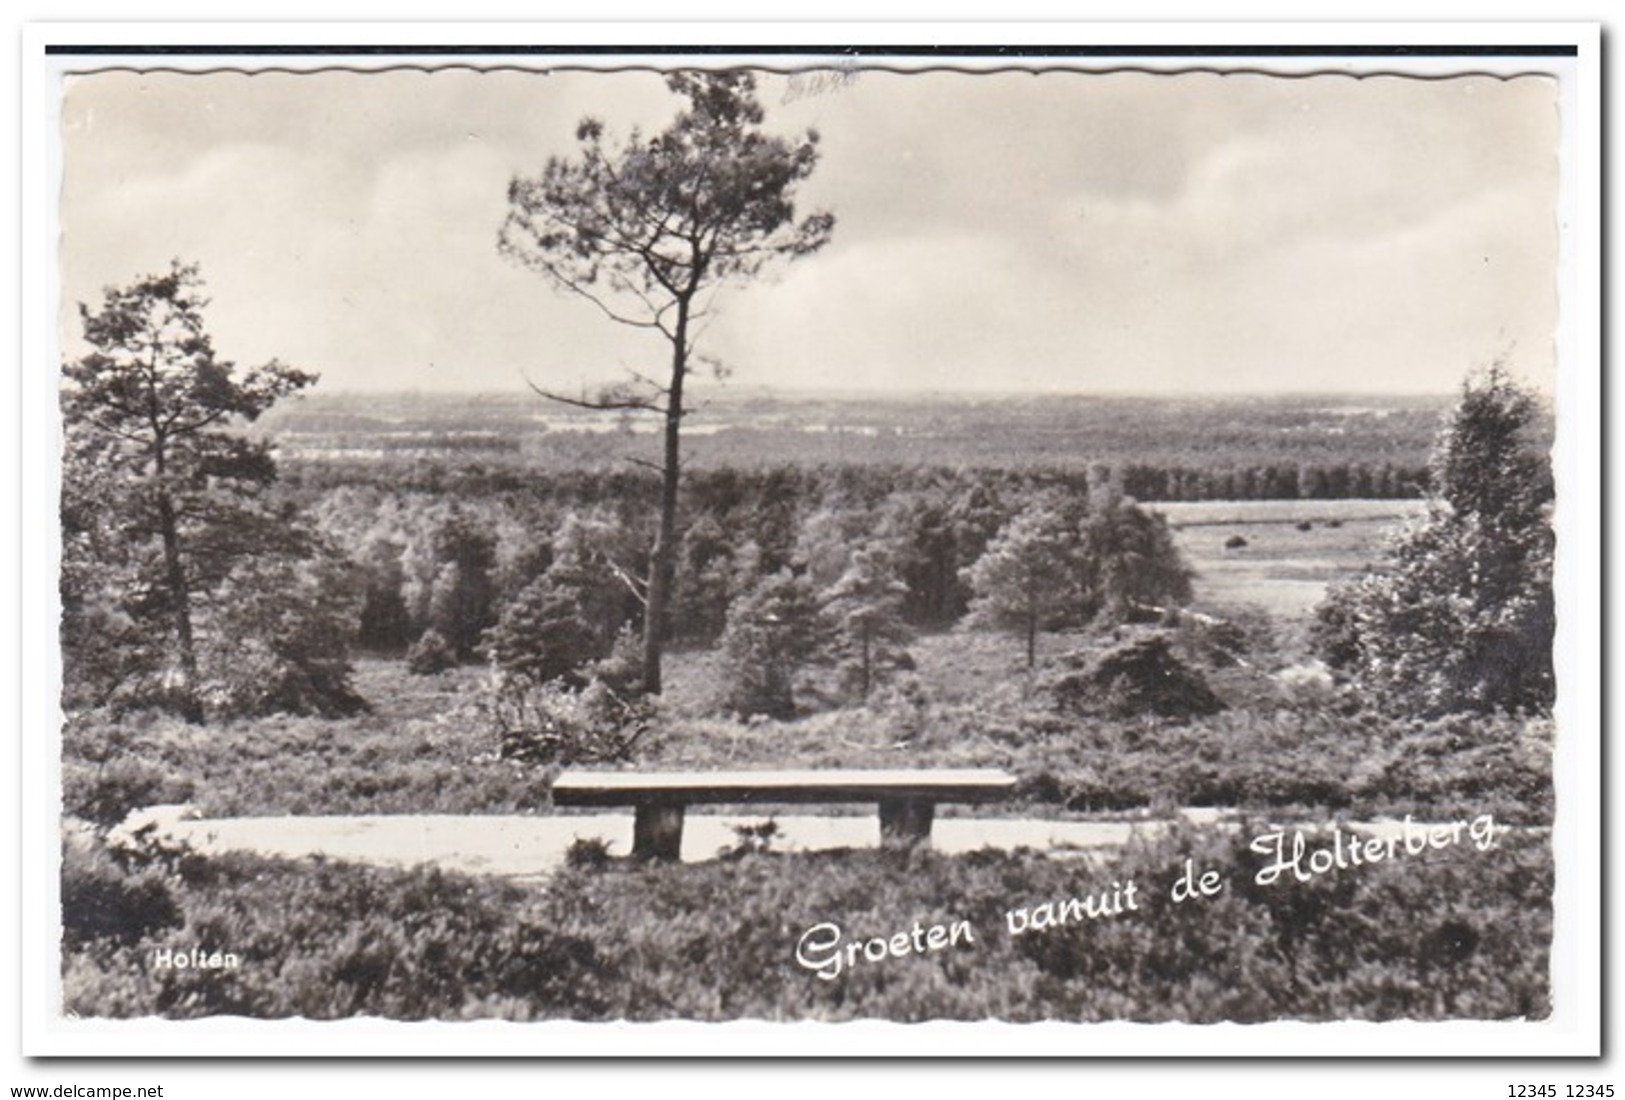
(684, 788)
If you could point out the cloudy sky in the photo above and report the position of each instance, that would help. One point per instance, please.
(1061, 231)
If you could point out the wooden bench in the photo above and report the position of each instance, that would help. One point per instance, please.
(907, 799)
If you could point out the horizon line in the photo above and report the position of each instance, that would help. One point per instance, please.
(896, 392)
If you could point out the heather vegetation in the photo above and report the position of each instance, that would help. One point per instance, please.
(605, 941)
(434, 745)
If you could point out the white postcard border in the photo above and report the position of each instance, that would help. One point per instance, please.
(1572, 1030)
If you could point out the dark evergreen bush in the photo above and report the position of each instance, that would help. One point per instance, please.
(430, 654)
(1142, 676)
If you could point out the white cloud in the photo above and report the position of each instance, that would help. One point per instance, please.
(1016, 232)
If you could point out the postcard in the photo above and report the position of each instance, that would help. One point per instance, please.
(598, 545)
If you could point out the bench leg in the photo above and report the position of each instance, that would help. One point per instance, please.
(657, 833)
(905, 822)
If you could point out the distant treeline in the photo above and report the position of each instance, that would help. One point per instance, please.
(608, 479)
(1342, 481)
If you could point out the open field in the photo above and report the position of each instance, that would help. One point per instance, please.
(1226, 513)
(1282, 569)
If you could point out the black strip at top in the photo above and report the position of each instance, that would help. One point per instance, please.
(1477, 50)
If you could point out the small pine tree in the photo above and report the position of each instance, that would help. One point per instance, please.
(774, 633)
(543, 636)
(1129, 559)
(866, 607)
(461, 598)
(1027, 579)
(293, 620)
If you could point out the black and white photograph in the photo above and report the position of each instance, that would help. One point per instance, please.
(995, 535)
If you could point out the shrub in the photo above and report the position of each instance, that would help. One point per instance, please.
(546, 723)
(102, 901)
(1142, 676)
(588, 853)
(1219, 643)
(903, 705)
(109, 768)
(558, 692)
(106, 793)
(286, 627)
(430, 654)
(1460, 616)
(328, 940)
(751, 839)
(1462, 763)
(621, 673)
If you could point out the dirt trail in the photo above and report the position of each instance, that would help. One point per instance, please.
(526, 846)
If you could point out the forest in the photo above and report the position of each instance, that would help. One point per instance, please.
(430, 555)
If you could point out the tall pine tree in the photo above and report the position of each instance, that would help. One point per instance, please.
(166, 507)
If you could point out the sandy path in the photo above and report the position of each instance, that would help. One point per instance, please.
(515, 846)
(520, 846)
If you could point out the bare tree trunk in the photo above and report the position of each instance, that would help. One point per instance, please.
(663, 556)
(180, 609)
